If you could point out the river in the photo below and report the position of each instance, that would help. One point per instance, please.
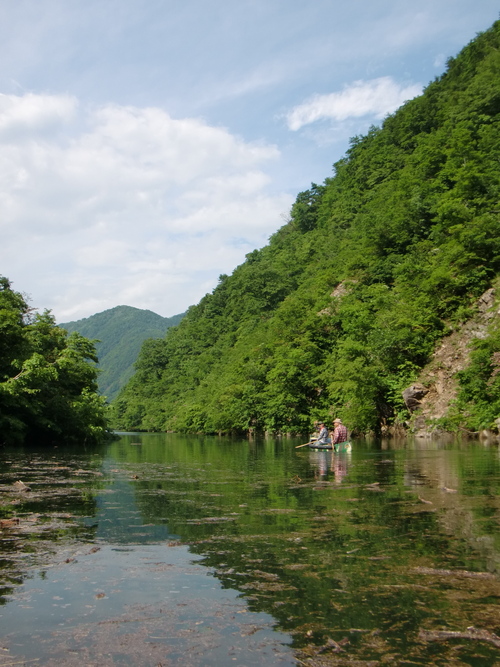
(160, 549)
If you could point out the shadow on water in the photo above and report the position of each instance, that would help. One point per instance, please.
(165, 549)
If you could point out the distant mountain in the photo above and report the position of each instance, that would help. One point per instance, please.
(121, 332)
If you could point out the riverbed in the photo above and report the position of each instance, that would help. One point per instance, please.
(160, 549)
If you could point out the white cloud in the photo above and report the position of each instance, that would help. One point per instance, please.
(33, 113)
(377, 98)
(126, 205)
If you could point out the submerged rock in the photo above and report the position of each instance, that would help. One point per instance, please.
(21, 486)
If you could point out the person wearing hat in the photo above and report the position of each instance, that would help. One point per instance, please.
(339, 432)
(323, 434)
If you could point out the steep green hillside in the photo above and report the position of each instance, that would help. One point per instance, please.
(120, 331)
(347, 302)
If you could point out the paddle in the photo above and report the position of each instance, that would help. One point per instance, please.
(307, 443)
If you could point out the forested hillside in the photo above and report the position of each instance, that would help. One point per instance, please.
(48, 388)
(344, 306)
(119, 333)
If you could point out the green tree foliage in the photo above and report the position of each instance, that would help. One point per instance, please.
(47, 381)
(478, 402)
(337, 314)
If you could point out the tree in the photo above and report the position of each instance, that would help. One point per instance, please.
(48, 388)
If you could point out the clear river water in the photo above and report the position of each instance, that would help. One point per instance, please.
(160, 549)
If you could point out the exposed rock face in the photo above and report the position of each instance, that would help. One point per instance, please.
(486, 301)
(413, 396)
(450, 357)
(343, 288)
(340, 291)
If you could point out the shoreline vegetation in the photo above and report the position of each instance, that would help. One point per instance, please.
(48, 379)
(487, 436)
(372, 287)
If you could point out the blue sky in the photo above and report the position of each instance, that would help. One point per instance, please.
(147, 146)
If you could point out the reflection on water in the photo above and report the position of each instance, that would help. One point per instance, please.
(328, 464)
(162, 549)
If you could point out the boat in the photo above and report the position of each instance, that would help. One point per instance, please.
(340, 447)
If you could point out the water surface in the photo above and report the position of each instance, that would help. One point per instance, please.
(170, 550)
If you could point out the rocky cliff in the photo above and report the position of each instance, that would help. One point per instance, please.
(431, 397)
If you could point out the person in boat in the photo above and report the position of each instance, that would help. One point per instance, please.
(323, 435)
(339, 434)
